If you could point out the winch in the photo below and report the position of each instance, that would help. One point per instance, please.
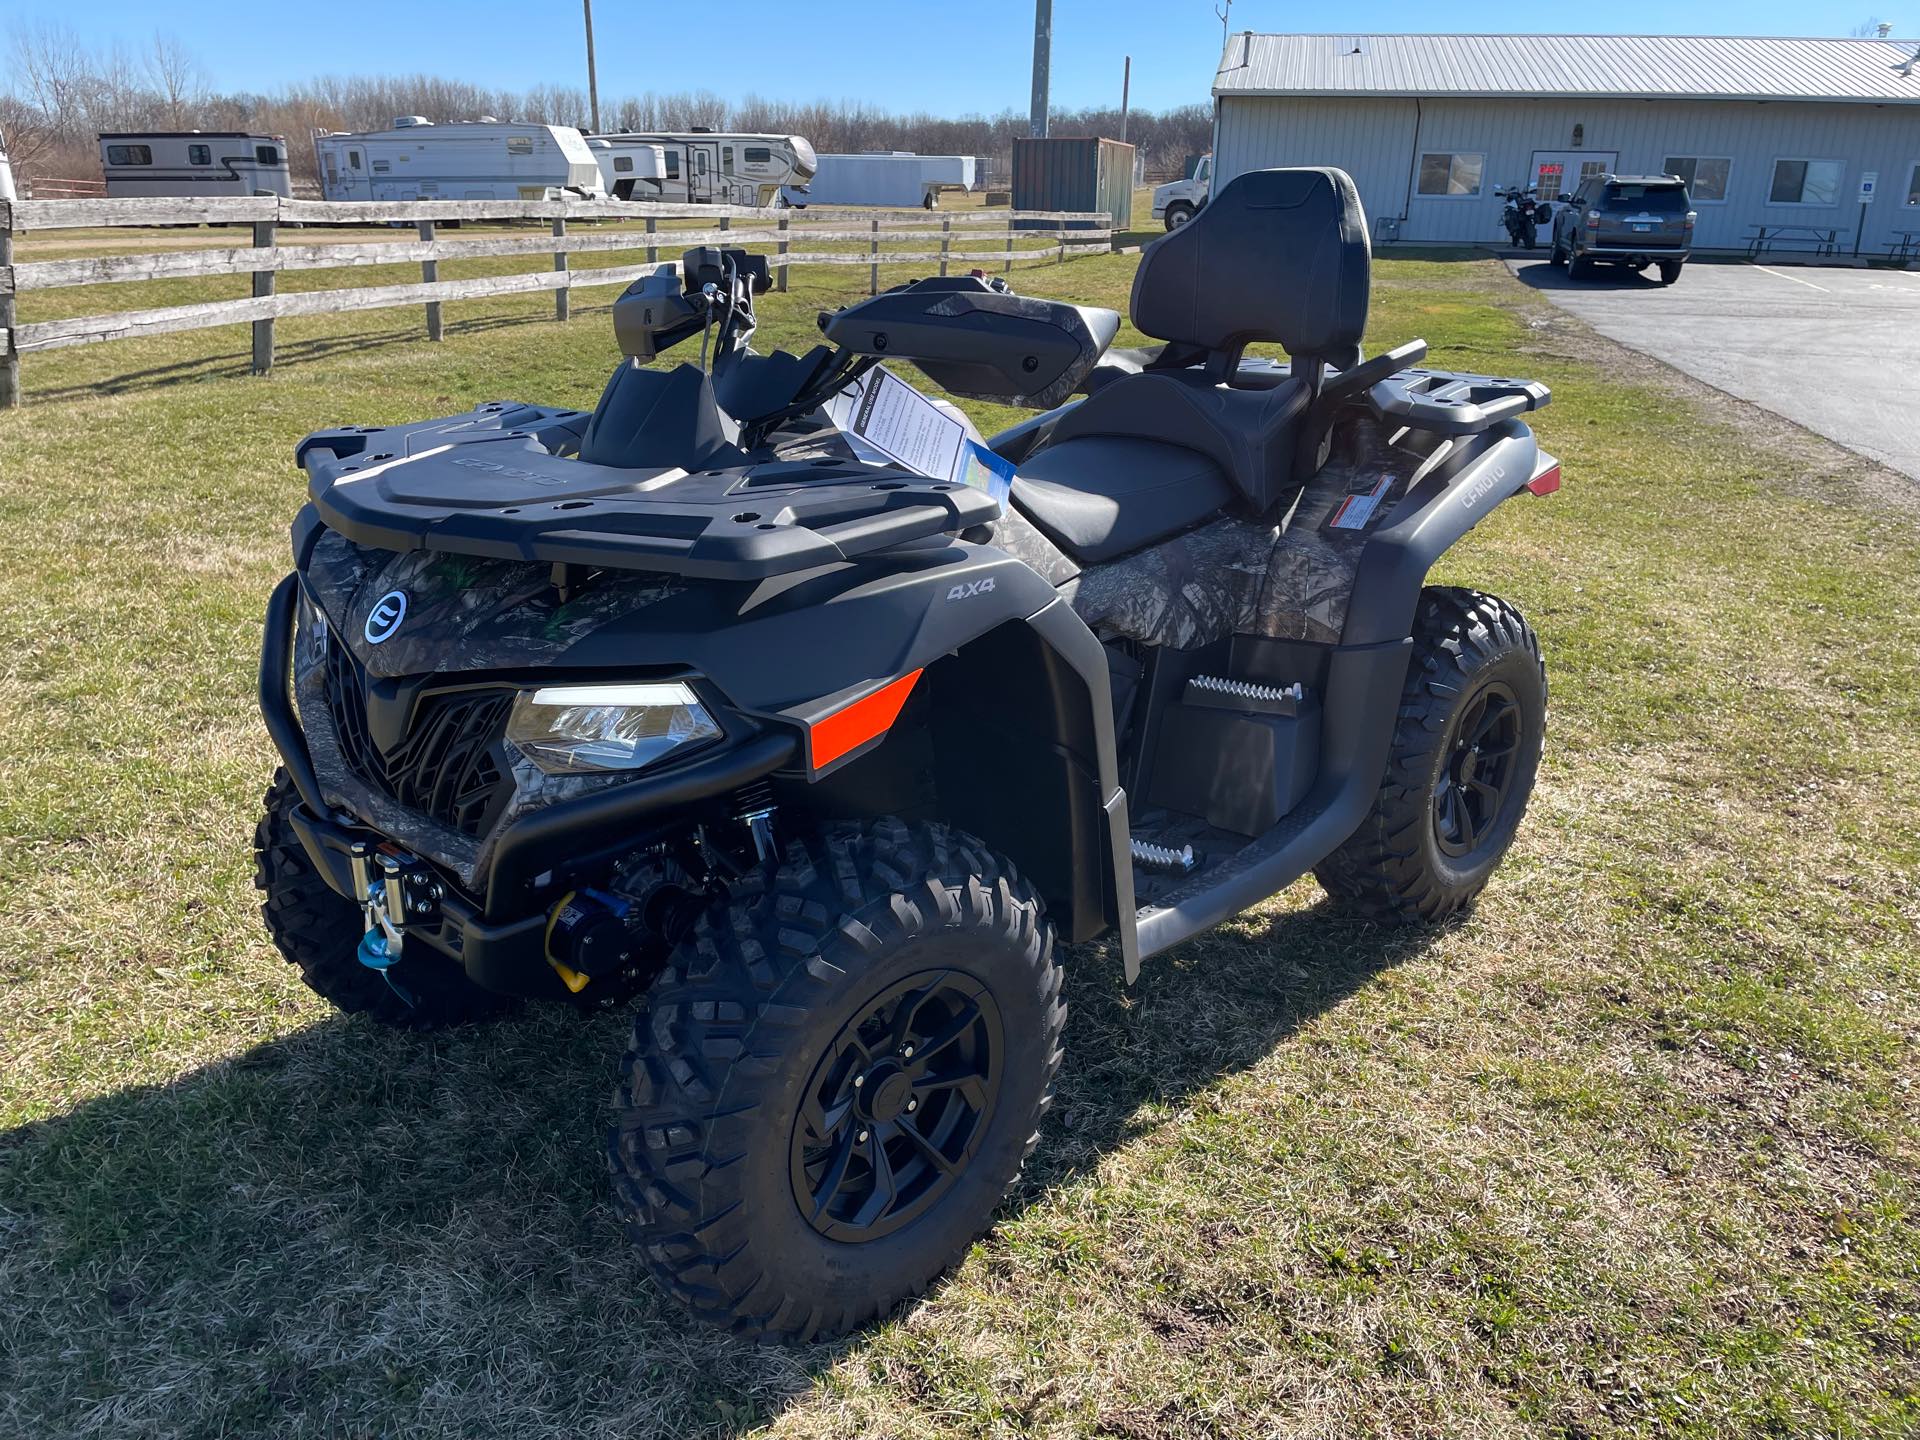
(395, 889)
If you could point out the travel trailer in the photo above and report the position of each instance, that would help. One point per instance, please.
(7, 192)
(484, 159)
(900, 178)
(703, 167)
(630, 170)
(139, 163)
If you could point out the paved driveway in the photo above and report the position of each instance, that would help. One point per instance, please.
(1837, 351)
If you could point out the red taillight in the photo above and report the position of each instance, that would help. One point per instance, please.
(1546, 482)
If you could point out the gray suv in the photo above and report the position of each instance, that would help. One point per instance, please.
(1634, 220)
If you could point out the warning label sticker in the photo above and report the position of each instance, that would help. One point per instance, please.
(1357, 509)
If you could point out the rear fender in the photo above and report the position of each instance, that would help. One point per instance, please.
(1489, 468)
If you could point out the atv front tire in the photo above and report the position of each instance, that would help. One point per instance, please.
(1466, 749)
(837, 1078)
(319, 930)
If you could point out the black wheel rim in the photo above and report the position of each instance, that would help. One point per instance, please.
(1477, 773)
(897, 1106)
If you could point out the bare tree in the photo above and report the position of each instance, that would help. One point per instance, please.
(176, 78)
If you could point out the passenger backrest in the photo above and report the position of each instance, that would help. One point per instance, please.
(1278, 256)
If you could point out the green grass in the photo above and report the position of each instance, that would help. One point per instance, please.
(1631, 1151)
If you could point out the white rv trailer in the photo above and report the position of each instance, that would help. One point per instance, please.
(7, 192)
(483, 159)
(630, 171)
(704, 167)
(899, 178)
(135, 163)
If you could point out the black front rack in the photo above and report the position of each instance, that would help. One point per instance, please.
(498, 482)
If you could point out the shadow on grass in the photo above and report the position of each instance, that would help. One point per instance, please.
(286, 354)
(354, 1229)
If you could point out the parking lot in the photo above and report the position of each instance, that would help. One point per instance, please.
(1835, 350)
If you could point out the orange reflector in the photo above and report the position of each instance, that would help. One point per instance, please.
(853, 725)
(1546, 482)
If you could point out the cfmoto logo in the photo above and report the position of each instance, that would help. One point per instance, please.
(969, 589)
(385, 618)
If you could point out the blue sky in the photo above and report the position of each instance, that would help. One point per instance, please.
(919, 55)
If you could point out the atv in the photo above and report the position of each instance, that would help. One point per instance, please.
(702, 702)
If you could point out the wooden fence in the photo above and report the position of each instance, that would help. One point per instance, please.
(970, 236)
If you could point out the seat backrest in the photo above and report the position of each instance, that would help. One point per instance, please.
(1278, 256)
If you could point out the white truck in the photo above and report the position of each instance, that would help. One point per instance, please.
(484, 159)
(705, 167)
(1179, 201)
(137, 163)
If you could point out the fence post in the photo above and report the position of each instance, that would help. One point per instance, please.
(946, 240)
(1060, 229)
(263, 286)
(10, 362)
(782, 279)
(653, 251)
(563, 297)
(1007, 269)
(873, 270)
(430, 272)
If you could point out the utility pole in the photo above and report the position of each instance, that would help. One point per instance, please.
(1042, 65)
(593, 80)
(1126, 85)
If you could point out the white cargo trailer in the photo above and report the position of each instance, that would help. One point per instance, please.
(483, 159)
(899, 178)
(136, 163)
(705, 167)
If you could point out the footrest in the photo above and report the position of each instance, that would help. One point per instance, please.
(1217, 693)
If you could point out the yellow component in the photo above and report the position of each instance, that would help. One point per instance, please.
(574, 980)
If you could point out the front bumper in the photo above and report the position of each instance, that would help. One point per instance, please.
(498, 932)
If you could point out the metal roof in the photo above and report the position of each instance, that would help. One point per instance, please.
(1718, 67)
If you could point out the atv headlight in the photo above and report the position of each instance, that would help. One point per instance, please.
(581, 729)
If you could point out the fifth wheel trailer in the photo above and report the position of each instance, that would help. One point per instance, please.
(481, 159)
(706, 167)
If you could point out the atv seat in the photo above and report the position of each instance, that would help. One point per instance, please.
(1102, 496)
(1279, 256)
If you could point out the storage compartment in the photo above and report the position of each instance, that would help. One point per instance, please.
(1239, 769)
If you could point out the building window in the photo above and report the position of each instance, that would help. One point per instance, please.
(199, 155)
(129, 155)
(519, 144)
(758, 155)
(622, 164)
(1706, 175)
(673, 164)
(267, 154)
(1806, 182)
(1454, 176)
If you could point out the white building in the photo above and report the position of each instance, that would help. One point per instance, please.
(898, 178)
(1775, 133)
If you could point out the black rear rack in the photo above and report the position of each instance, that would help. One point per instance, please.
(498, 482)
(1446, 402)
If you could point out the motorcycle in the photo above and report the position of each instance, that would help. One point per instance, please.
(1524, 215)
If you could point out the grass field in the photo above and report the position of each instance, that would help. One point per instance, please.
(1630, 1151)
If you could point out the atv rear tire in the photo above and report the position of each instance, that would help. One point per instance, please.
(319, 930)
(1465, 753)
(837, 1078)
